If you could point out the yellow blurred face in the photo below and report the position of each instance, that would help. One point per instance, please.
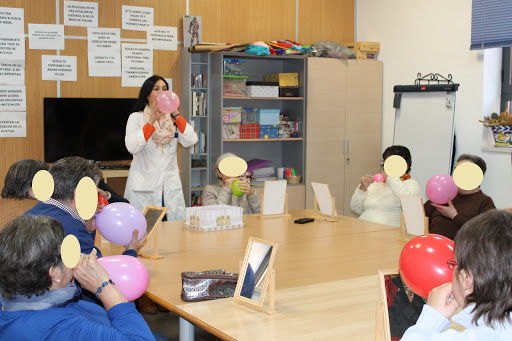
(157, 89)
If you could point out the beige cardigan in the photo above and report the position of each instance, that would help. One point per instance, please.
(221, 195)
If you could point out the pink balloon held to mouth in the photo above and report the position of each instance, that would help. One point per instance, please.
(378, 178)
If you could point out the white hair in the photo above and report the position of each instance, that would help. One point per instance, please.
(222, 157)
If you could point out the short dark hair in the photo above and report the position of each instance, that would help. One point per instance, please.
(18, 179)
(67, 173)
(145, 90)
(483, 247)
(401, 151)
(477, 160)
(29, 247)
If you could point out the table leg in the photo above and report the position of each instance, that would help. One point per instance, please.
(186, 330)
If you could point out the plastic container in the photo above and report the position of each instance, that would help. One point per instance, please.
(233, 67)
(235, 85)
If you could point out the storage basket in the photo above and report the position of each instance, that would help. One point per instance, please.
(294, 179)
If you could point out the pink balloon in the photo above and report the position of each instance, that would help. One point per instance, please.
(128, 273)
(168, 101)
(440, 188)
(118, 220)
(378, 178)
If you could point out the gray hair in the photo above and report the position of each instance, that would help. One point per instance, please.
(222, 157)
(29, 247)
(67, 173)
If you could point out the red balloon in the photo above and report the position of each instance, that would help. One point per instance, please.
(424, 263)
(102, 200)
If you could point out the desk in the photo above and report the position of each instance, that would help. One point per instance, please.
(114, 173)
(308, 254)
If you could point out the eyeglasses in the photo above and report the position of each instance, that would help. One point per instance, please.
(452, 263)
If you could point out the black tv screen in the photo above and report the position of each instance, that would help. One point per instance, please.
(93, 128)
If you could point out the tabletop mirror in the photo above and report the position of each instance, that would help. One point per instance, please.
(257, 275)
(154, 216)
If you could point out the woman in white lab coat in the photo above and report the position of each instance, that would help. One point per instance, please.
(152, 138)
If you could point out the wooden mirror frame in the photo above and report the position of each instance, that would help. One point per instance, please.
(154, 230)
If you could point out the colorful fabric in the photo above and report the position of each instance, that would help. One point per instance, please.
(148, 131)
(164, 128)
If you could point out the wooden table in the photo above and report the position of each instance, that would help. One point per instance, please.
(308, 255)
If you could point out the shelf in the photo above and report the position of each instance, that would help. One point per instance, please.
(199, 168)
(266, 98)
(290, 139)
(494, 149)
(196, 88)
(198, 63)
(198, 116)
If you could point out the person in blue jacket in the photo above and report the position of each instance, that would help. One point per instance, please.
(39, 299)
(67, 173)
(481, 285)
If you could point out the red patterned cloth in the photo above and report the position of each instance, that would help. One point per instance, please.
(250, 131)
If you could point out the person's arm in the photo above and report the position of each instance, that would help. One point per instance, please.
(254, 203)
(114, 197)
(85, 238)
(212, 195)
(406, 187)
(187, 136)
(486, 205)
(356, 203)
(135, 140)
(429, 210)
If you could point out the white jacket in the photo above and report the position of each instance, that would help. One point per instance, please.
(154, 169)
(431, 324)
(381, 201)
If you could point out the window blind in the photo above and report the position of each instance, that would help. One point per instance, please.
(490, 24)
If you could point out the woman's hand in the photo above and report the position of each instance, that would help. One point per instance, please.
(448, 211)
(229, 182)
(175, 114)
(156, 114)
(442, 300)
(89, 273)
(246, 188)
(366, 181)
(137, 244)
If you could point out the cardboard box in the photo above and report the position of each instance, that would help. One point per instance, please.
(231, 116)
(269, 131)
(363, 46)
(268, 116)
(366, 55)
(262, 91)
(234, 85)
(284, 79)
(250, 131)
(288, 91)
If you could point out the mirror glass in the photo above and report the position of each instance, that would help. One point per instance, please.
(256, 272)
(152, 215)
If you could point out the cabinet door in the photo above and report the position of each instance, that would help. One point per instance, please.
(364, 124)
(325, 128)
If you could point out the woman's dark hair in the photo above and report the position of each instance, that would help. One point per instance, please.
(29, 247)
(18, 179)
(483, 247)
(401, 151)
(145, 90)
(67, 173)
(477, 160)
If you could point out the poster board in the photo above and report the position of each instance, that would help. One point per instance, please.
(413, 215)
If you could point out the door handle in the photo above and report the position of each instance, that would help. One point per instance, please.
(348, 150)
(343, 146)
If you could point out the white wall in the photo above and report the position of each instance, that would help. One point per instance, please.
(434, 36)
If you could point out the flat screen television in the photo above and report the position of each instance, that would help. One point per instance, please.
(93, 128)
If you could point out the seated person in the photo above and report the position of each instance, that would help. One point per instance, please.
(67, 173)
(447, 220)
(39, 300)
(221, 193)
(17, 194)
(380, 202)
(481, 285)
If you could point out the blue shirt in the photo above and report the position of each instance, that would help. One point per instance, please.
(77, 321)
(72, 226)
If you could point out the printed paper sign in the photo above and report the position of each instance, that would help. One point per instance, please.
(58, 68)
(137, 18)
(12, 46)
(13, 98)
(12, 72)
(77, 13)
(12, 20)
(46, 37)
(104, 52)
(163, 38)
(137, 64)
(13, 124)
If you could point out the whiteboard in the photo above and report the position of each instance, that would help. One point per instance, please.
(425, 124)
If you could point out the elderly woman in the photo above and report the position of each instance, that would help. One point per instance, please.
(380, 202)
(17, 194)
(39, 300)
(221, 193)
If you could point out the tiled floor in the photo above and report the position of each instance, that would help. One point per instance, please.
(168, 325)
